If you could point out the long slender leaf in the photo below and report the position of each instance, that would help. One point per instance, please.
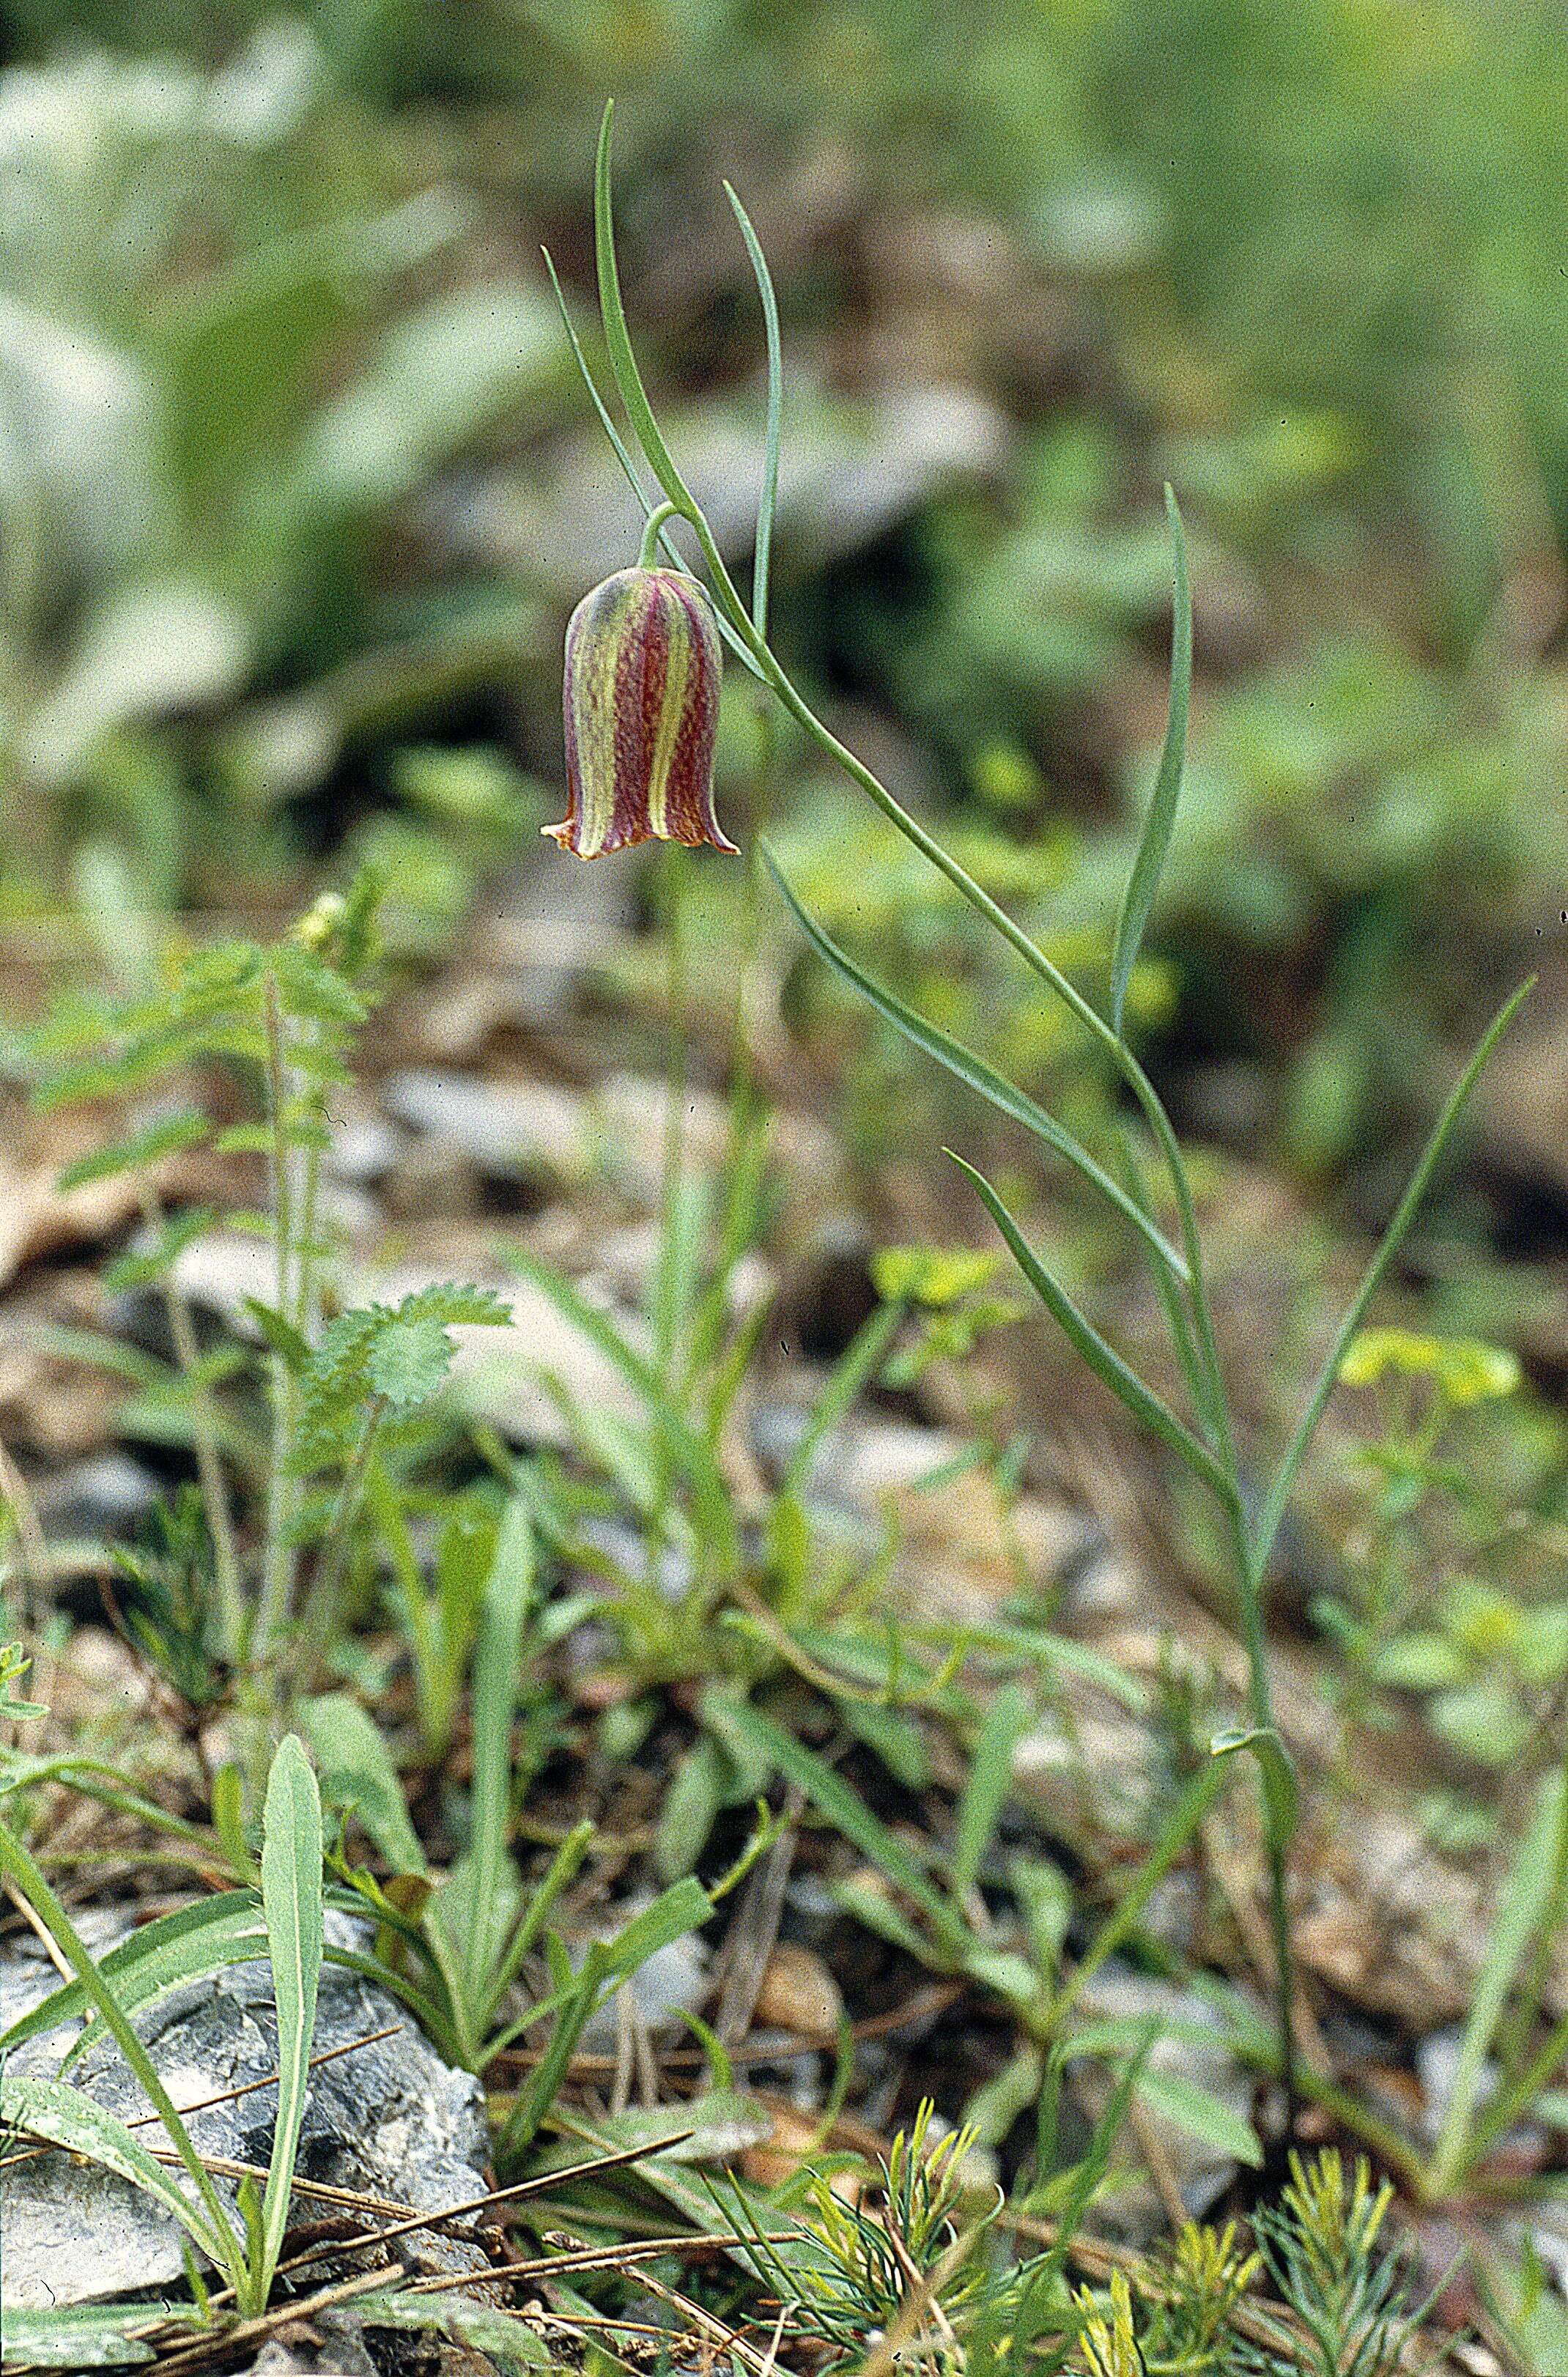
(159, 1956)
(19, 1866)
(762, 555)
(52, 2109)
(1102, 1358)
(990, 1780)
(291, 1899)
(1176, 1831)
(976, 1074)
(844, 1809)
(357, 1772)
(630, 467)
(618, 337)
(1296, 1451)
(1155, 841)
(88, 2336)
(1523, 1897)
(503, 1615)
(696, 1458)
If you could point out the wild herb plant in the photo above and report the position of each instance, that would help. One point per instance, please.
(1205, 1440)
(257, 1588)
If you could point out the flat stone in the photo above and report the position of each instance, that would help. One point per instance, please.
(509, 1130)
(389, 2119)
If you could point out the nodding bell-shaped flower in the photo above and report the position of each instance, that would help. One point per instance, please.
(642, 705)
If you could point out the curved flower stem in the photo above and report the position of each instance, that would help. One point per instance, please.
(648, 553)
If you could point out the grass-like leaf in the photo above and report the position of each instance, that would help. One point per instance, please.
(847, 1812)
(1524, 1898)
(990, 1780)
(68, 2118)
(1443, 1130)
(1103, 1359)
(357, 1772)
(1154, 840)
(762, 554)
(710, 1492)
(618, 337)
(18, 1865)
(976, 1074)
(291, 1899)
(503, 1615)
(628, 467)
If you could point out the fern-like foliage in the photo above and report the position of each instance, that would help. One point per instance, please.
(1343, 2287)
(381, 1360)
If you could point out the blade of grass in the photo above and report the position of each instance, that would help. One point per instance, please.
(503, 1615)
(19, 1866)
(990, 1780)
(1296, 1451)
(696, 1459)
(291, 1899)
(630, 467)
(1176, 1831)
(844, 1809)
(1523, 1898)
(1155, 841)
(52, 2109)
(762, 555)
(974, 1071)
(1102, 1358)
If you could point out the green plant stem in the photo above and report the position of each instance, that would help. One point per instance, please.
(333, 1555)
(278, 1569)
(1251, 1557)
(1513, 2035)
(666, 1325)
(648, 553)
(208, 1461)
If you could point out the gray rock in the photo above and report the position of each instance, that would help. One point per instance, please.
(675, 1980)
(509, 1130)
(388, 2120)
(1202, 2170)
(105, 1496)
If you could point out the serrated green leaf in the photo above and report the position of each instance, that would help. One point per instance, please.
(407, 1362)
(158, 1139)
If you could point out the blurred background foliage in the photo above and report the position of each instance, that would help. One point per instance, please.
(298, 484)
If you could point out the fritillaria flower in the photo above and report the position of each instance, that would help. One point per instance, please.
(642, 704)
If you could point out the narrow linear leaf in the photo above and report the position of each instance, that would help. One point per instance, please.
(52, 2109)
(1202, 2115)
(630, 468)
(1155, 841)
(618, 337)
(1524, 1897)
(696, 1458)
(1296, 1452)
(1102, 1358)
(843, 1808)
(19, 1866)
(762, 555)
(1281, 1790)
(291, 1899)
(990, 1781)
(977, 1075)
(503, 1615)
